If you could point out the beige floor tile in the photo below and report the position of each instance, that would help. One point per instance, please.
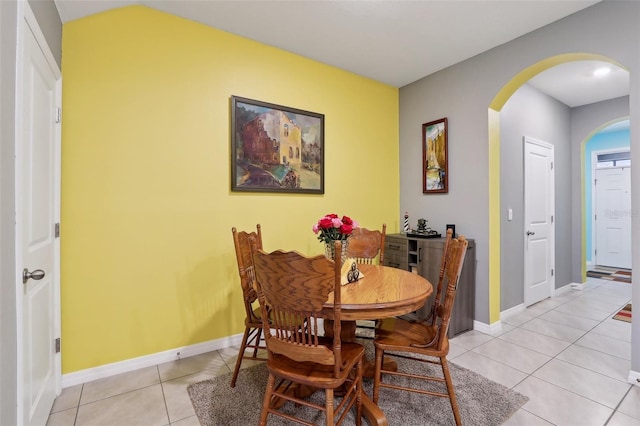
(558, 317)
(552, 329)
(140, 407)
(471, 339)
(631, 403)
(189, 421)
(606, 344)
(609, 365)
(619, 419)
(620, 330)
(535, 341)
(524, 418)
(494, 370)
(63, 418)
(69, 398)
(210, 361)
(119, 384)
(587, 383)
(559, 406)
(177, 399)
(515, 356)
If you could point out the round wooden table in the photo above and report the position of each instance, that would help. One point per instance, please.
(383, 292)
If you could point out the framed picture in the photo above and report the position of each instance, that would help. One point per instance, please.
(435, 173)
(276, 148)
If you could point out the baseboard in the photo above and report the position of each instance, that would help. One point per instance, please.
(485, 328)
(634, 377)
(513, 311)
(108, 370)
(574, 286)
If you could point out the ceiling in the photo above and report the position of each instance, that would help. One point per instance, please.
(395, 42)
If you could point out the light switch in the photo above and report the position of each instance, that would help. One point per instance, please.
(509, 214)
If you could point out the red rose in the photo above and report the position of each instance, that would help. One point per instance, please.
(325, 223)
(347, 220)
(332, 216)
(346, 229)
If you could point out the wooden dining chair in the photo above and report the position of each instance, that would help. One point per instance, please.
(252, 337)
(415, 340)
(293, 289)
(437, 300)
(366, 245)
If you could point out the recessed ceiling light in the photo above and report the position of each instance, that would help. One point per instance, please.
(601, 72)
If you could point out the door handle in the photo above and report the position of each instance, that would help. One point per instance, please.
(530, 233)
(37, 275)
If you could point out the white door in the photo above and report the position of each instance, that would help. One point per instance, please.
(37, 163)
(613, 217)
(539, 245)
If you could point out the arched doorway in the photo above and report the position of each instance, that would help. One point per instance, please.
(494, 113)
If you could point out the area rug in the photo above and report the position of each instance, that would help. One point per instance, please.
(612, 274)
(482, 402)
(624, 314)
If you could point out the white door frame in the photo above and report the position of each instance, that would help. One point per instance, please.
(594, 161)
(26, 18)
(552, 234)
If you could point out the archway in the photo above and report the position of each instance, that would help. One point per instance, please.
(495, 107)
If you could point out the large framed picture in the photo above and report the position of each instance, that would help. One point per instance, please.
(435, 173)
(276, 148)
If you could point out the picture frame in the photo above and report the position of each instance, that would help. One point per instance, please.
(435, 157)
(275, 148)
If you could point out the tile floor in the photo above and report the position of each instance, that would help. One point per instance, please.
(566, 354)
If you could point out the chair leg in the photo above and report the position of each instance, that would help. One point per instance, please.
(329, 407)
(359, 394)
(377, 376)
(266, 403)
(451, 391)
(243, 347)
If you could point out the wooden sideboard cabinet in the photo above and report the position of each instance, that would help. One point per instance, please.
(423, 256)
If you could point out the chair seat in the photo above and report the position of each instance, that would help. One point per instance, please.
(400, 334)
(314, 374)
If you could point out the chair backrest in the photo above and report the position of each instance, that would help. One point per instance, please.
(437, 301)
(456, 251)
(243, 242)
(293, 288)
(365, 245)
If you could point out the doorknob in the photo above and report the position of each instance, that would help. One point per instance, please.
(530, 233)
(37, 275)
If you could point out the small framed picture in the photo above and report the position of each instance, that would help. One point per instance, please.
(435, 173)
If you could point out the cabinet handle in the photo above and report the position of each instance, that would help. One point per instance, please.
(419, 254)
(394, 246)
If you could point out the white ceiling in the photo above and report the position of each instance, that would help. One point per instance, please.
(392, 41)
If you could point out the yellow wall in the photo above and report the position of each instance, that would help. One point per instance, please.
(147, 253)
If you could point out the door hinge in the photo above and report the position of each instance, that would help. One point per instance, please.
(552, 165)
(58, 345)
(57, 230)
(58, 115)
(551, 272)
(551, 219)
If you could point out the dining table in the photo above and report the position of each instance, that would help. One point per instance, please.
(381, 292)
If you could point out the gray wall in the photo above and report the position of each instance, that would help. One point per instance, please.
(51, 24)
(584, 120)
(463, 93)
(531, 113)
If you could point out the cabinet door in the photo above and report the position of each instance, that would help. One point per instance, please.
(429, 257)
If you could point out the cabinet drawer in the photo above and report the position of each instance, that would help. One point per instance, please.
(394, 246)
(395, 261)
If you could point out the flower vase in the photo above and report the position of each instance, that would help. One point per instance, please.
(329, 250)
